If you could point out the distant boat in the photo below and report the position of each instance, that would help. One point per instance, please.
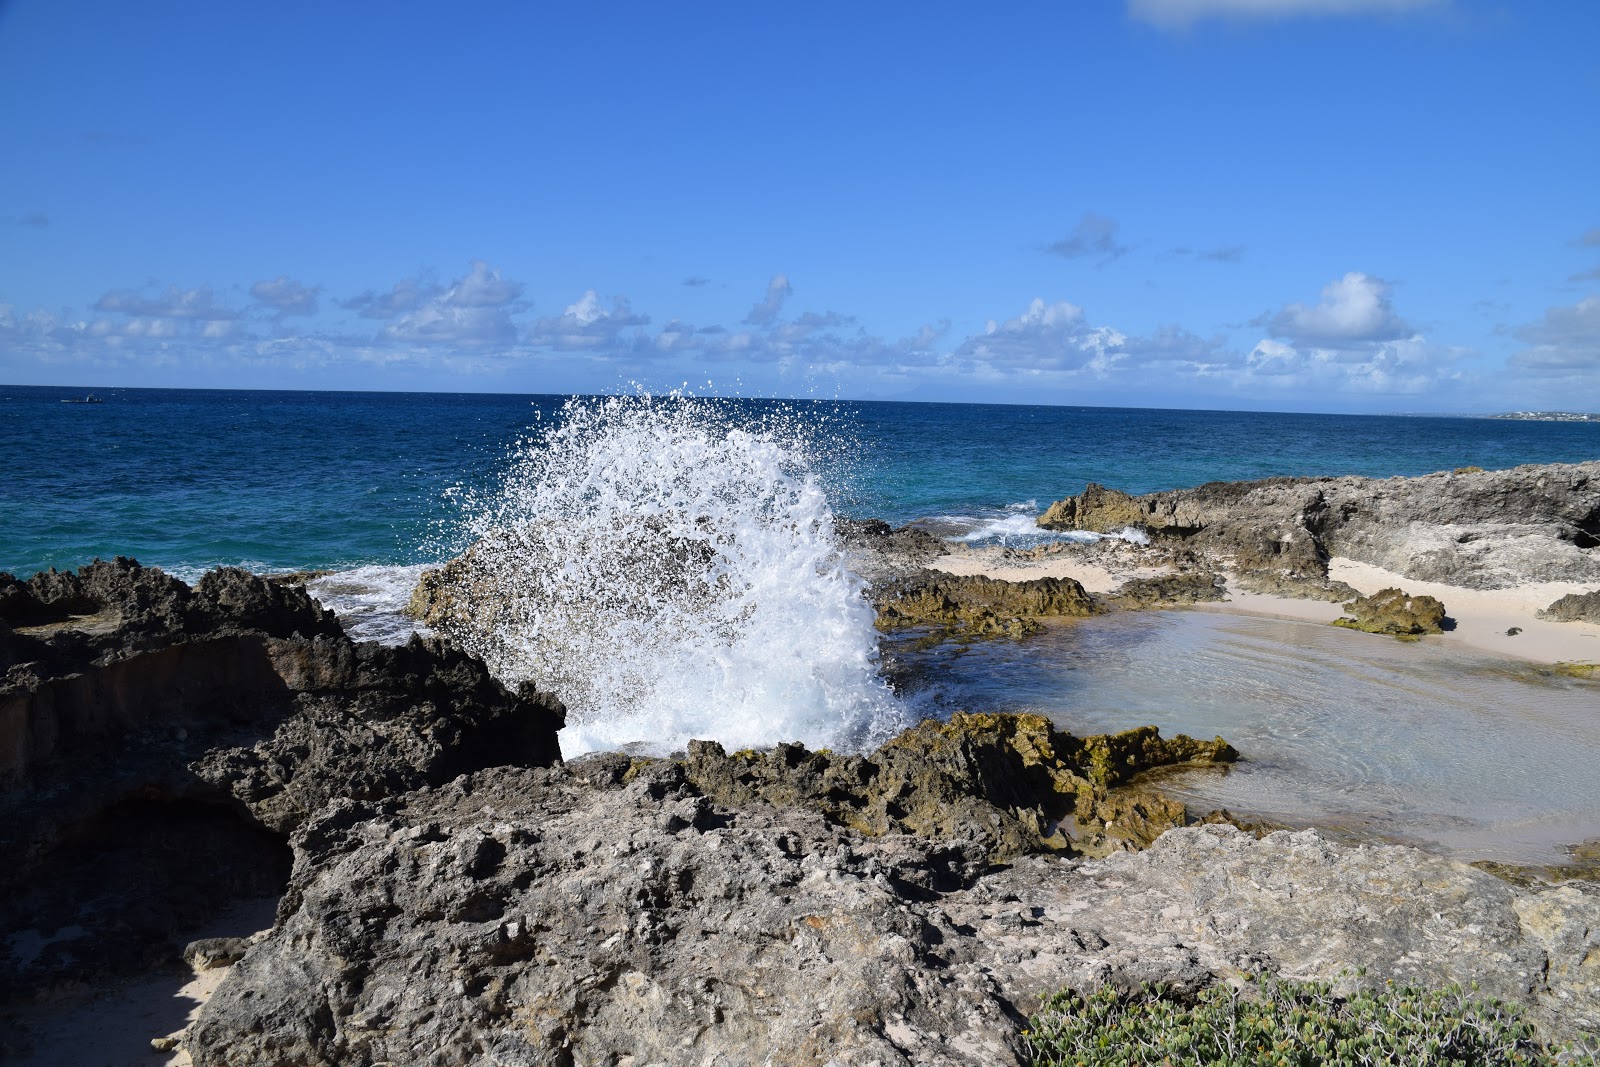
(88, 398)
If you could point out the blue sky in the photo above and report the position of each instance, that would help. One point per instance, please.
(1310, 205)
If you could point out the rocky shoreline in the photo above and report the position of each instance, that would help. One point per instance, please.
(450, 891)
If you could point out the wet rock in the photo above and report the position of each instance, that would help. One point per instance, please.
(1004, 784)
(976, 605)
(1574, 607)
(1480, 529)
(878, 551)
(1393, 611)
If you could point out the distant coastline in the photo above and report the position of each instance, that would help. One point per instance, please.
(1548, 416)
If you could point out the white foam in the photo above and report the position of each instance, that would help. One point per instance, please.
(671, 574)
(1017, 526)
(370, 601)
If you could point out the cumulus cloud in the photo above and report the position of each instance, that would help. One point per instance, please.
(1180, 14)
(472, 311)
(174, 303)
(778, 290)
(1407, 366)
(1591, 238)
(586, 325)
(1565, 340)
(1057, 339)
(1353, 310)
(286, 296)
(1094, 235)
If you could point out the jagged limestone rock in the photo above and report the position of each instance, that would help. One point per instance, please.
(1574, 607)
(581, 914)
(1480, 529)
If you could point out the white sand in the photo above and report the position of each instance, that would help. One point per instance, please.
(1482, 616)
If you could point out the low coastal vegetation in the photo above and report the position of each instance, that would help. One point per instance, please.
(1272, 1022)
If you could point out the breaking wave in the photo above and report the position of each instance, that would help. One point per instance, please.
(668, 567)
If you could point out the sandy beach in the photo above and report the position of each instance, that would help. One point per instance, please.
(1482, 616)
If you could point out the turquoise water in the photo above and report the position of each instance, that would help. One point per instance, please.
(188, 479)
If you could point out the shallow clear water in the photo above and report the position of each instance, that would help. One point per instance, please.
(1484, 757)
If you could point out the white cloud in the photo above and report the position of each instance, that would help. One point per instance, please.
(1180, 14)
(1353, 310)
(472, 311)
(286, 296)
(588, 326)
(1566, 340)
(778, 290)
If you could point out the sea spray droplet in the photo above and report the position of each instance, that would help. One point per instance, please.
(668, 567)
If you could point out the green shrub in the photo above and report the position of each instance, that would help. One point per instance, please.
(1281, 1023)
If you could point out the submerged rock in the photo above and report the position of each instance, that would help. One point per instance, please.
(1574, 607)
(1396, 612)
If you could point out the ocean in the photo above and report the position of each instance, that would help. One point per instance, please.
(1478, 757)
(191, 479)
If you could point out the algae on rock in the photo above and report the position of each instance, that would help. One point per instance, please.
(1012, 784)
(1395, 612)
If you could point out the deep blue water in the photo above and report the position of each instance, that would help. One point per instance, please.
(187, 479)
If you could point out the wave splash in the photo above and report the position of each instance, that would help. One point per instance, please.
(668, 567)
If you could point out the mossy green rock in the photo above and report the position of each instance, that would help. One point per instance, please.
(1396, 612)
(977, 605)
(1002, 782)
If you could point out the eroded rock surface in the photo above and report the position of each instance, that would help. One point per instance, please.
(1574, 607)
(1480, 529)
(565, 916)
(157, 742)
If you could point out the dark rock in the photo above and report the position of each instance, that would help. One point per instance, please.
(1574, 607)
(157, 742)
(1395, 612)
(372, 721)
